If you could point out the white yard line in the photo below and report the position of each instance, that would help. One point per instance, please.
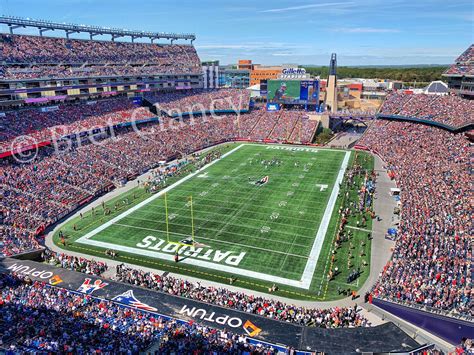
(359, 229)
(323, 227)
(310, 268)
(220, 215)
(309, 210)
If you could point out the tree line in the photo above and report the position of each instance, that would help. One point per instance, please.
(405, 74)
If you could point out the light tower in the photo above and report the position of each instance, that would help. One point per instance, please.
(331, 87)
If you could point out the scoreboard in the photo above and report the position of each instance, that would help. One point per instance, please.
(293, 91)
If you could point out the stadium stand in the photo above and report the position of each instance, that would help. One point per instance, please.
(430, 266)
(38, 318)
(451, 110)
(68, 119)
(336, 317)
(64, 58)
(431, 263)
(79, 264)
(464, 64)
(177, 103)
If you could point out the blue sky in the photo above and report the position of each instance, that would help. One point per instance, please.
(365, 32)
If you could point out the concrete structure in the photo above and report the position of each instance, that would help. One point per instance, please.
(234, 78)
(244, 64)
(210, 71)
(331, 87)
(260, 72)
(44, 26)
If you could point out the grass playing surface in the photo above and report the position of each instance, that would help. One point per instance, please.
(276, 232)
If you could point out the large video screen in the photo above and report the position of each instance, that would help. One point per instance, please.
(283, 90)
(293, 91)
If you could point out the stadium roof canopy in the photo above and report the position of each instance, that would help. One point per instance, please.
(437, 87)
(43, 26)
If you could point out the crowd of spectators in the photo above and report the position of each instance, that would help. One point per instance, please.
(451, 110)
(179, 102)
(335, 317)
(186, 338)
(282, 126)
(74, 263)
(19, 51)
(464, 64)
(42, 126)
(22, 128)
(432, 260)
(38, 318)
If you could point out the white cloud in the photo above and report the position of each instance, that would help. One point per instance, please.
(257, 46)
(364, 30)
(282, 54)
(309, 6)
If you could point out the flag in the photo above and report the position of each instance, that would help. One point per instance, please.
(128, 298)
(89, 288)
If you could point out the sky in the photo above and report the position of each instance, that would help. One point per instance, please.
(305, 32)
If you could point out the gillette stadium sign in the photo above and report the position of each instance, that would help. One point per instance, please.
(293, 73)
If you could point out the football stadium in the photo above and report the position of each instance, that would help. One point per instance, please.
(146, 208)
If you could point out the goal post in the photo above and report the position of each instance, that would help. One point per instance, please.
(190, 241)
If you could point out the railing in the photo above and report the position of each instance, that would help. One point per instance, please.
(460, 129)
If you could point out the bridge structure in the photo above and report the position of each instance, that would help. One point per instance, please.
(338, 119)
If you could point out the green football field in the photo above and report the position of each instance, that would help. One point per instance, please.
(261, 215)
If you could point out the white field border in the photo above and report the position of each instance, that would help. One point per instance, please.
(307, 276)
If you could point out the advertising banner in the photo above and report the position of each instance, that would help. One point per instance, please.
(273, 107)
